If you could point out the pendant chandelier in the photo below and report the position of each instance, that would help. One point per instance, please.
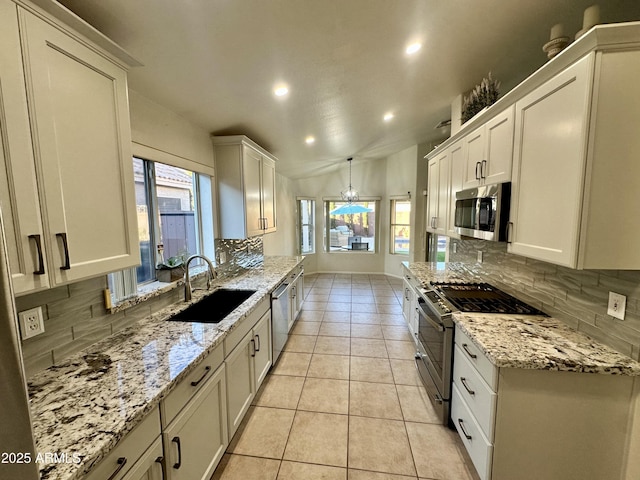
(350, 194)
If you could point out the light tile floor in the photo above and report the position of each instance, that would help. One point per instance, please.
(344, 400)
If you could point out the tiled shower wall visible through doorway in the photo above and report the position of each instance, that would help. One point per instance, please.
(578, 297)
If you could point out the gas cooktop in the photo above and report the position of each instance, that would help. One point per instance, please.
(482, 298)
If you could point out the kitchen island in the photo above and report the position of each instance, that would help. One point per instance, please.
(82, 407)
(533, 398)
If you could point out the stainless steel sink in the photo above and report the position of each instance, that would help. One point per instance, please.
(213, 308)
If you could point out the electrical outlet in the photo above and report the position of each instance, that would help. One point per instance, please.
(31, 322)
(617, 305)
(479, 256)
(223, 257)
(454, 247)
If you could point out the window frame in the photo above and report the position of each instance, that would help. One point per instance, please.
(327, 224)
(312, 224)
(393, 223)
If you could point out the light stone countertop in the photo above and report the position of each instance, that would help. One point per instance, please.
(87, 403)
(528, 342)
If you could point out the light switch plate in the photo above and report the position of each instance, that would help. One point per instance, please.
(617, 305)
(31, 322)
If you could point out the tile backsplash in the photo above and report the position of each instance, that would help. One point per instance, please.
(75, 315)
(578, 297)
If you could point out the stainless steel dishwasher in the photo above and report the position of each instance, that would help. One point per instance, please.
(280, 314)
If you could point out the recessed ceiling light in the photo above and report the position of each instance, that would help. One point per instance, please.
(388, 116)
(309, 140)
(281, 90)
(413, 48)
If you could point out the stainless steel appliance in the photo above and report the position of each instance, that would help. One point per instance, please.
(436, 304)
(280, 315)
(483, 212)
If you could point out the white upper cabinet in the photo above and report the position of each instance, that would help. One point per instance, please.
(488, 151)
(551, 129)
(67, 157)
(246, 179)
(438, 194)
(456, 179)
(575, 190)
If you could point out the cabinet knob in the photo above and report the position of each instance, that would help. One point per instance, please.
(122, 461)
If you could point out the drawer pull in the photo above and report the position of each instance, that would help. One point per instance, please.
(40, 270)
(195, 383)
(160, 460)
(122, 461)
(464, 384)
(257, 337)
(65, 245)
(178, 464)
(466, 349)
(464, 432)
(253, 349)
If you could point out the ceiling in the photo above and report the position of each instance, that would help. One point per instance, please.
(216, 63)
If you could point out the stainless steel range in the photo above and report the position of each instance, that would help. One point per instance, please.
(436, 304)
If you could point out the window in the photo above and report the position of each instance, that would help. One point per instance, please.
(306, 225)
(175, 220)
(400, 226)
(350, 226)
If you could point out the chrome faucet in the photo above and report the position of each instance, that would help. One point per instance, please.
(187, 280)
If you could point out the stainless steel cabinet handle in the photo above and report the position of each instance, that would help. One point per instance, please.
(176, 440)
(65, 245)
(465, 347)
(257, 337)
(464, 384)
(40, 270)
(122, 461)
(195, 383)
(464, 432)
(483, 164)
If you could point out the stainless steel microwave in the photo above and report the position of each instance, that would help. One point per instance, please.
(483, 212)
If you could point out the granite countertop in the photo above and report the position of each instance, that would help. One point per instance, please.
(529, 342)
(86, 404)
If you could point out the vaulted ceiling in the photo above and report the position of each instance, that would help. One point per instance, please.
(217, 62)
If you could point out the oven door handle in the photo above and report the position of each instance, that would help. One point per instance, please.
(434, 324)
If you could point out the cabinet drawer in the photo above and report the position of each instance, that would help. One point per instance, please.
(245, 325)
(183, 392)
(479, 448)
(480, 399)
(129, 449)
(478, 359)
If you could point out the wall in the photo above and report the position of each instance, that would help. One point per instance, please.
(283, 241)
(578, 297)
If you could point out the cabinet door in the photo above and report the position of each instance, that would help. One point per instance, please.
(251, 166)
(548, 174)
(269, 194)
(444, 191)
(474, 147)
(240, 381)
(149, 466)
(196, 440)
(80, 119)
(456, 179)
(432, 199)
(262, 346)
(499, 160)
(18, 187)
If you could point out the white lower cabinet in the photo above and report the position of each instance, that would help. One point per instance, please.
(410, 305)
(539, 424)
(137, 456)
(196, 439)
